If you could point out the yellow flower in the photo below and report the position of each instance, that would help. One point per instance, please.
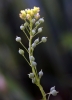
(32, 13)
(22, 14)
(28, 16)
(36, 9)
(37, 16)
(28, 11)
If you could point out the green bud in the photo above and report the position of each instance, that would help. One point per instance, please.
(31, 75)
(44, 39)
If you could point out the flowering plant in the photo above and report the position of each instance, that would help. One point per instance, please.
(32, 22)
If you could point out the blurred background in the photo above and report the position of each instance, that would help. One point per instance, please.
(54, 57)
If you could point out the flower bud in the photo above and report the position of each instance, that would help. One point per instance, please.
(33, 32)
(36, 41)
(40, 74)
(26, 10)
(37, 23)
(22, 27)
(34, 63)
(41, 20)
(21, 51)
(25, 24)
(33, 45)
(18, 39)
(37, 16)
(54, 92)
(52, 88)
(32, 58)
(40, 30)
(36, 10)
(33, 21)
(31, 75)
(28, 16)
(33, 80)
(44, 39)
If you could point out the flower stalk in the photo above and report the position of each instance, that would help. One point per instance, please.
(32, 19)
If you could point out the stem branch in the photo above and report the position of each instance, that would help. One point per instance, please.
(26, 34)
(23, 46)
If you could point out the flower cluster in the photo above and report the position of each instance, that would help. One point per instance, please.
(52, 92)
(32, 22)
(30, 13)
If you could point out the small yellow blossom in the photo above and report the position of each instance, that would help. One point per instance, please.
(28, 16)
(28, 11)
(32, 13)
(37, 16)
(36, 9)
(22, 14)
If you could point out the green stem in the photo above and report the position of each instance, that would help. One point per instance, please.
(26, 34)
(33, 69)
(26, 60)
(39, 42)
(36, 34)
(48, 96)
(27, 30)
(23, 46)
(42, 91)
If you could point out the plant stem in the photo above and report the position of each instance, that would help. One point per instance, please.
(39, 42)
(24, 46)
(33, 69)
(26, 60)
(48, 96)
(26, 34)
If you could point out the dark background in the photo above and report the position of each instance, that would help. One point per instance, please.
(54, 57)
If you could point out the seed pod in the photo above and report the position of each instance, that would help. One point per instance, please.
(21, 51)
(36, 41)
(44, 39)
(33, 20)
(41, 20)
(37, 23)
(33, 32)
(32, 58)
(33, 45)
(40, 74)
(18, 39)
(52, 88)
(40, 30)
(31, 75)
(54, 92)
(34, 63)
(22, 27)
(25, 24)
(33, 80)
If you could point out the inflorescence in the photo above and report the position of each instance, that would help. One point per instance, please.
(32, 21)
